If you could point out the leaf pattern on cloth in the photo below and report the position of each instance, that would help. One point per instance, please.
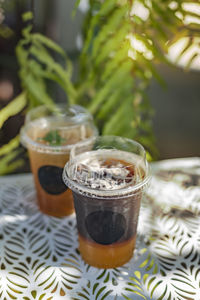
(39, 256)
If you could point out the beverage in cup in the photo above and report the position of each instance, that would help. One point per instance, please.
(107, 180)
(49, 135)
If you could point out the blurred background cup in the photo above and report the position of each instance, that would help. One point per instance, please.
(107, 176)
(49, 136)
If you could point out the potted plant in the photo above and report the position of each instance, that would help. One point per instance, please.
(123, 42)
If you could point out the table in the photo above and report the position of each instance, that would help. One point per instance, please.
(39, 257)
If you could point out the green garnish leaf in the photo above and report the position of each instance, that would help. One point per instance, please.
(53, 138)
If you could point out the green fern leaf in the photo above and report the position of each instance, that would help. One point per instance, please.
(37, 87)
(113, 63)
(187, 46)
(148, 64)
(106, 7)
(52, 66)
(27, 16)
(117, 118)
(108, 107)
(112, 44)
(13, 144)
(110, 85)
(37, 37)
(13, 108)
(26, 32)
(190, 61)
(22, 53)
(109, 28)
(160, 10)
(8, 163)
(158, 28)
(75, 7)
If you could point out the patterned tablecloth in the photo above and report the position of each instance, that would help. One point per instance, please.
(39, 258)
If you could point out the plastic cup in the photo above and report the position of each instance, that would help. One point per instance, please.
(107, 180)
(49, 136)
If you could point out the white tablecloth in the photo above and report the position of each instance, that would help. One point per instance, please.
(39, 256)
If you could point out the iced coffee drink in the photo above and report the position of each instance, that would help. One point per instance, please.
(49, 136)
(107, 183)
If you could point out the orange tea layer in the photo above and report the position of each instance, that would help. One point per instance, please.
(106, 256)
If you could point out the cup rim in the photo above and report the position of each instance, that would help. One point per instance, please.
(28, 143)
(77, 113)
(79, 116)
(108, 194)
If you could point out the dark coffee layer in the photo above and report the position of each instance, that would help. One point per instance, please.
(105, 227)
(107, 221)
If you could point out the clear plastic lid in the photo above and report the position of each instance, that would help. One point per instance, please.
(57, 130)
(108, 166)
(73, 114)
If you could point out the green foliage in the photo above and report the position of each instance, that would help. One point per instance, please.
(12, 108)
(36, 53)
(53, 138)
(10, 151)
(117, 62)
(13, 144)
(114, 78)
(9, 163)
(5, 31)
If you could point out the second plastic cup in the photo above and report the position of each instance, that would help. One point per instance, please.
(49, 136)
(107, 180)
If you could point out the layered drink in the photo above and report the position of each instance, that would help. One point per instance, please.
(49, 136)
(107, 186)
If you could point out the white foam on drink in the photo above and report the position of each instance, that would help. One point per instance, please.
(107, 169)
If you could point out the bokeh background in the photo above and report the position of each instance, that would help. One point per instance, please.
(176, 119)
